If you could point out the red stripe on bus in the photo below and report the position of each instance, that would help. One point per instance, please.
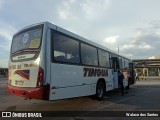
(41, 93)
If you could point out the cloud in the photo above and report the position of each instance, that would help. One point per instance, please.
(1, 3)
(63, 14)
(152, 57)
(128, 55)
(145, 47)
(145, 41)
(155, 24)
(7, 31)
(138, 47)
(94, 9)
(128, 46)
(88, 10)
(64, 11)
(111, 39)
(6, 34)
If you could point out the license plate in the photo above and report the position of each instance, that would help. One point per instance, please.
(19, 83)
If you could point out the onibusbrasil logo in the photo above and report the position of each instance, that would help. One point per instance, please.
(21, 114)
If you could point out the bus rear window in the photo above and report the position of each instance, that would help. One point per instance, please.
(28, 39)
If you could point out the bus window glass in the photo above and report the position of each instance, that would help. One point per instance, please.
(66, 49)
(89, 55)
(126, 63)
(103, 58)
(29, 39)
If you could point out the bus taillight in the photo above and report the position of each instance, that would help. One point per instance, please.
(40, 77)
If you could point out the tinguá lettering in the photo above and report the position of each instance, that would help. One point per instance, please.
(95, 72)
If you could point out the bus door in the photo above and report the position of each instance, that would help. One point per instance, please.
(115, 67)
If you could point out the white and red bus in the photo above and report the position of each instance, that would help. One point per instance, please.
(50, 63)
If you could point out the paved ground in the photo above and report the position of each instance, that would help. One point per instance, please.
(144, 95)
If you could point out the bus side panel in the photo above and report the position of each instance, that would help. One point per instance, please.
(67, 81)
(70, 92)
(115, 79)
(110, 81)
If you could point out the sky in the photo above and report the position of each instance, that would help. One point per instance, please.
(131, 25)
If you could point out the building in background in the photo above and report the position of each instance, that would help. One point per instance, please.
(3, 72)
(148, 67)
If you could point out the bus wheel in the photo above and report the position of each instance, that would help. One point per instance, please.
(100, 90)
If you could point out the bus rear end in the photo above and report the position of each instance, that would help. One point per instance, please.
(26, 73)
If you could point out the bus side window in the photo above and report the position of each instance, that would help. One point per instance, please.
(66, 49)
(89, 55)
(74, 59)
(103, 58)
(60, 58)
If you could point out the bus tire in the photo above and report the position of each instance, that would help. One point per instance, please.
(100, 90)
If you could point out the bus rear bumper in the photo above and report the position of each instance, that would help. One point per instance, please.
(41, 93)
